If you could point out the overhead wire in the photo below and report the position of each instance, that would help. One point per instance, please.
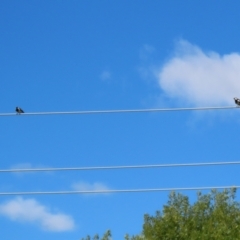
(117, 167)
(116, 191)
(120, 111)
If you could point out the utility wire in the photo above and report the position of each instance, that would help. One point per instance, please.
(115, 191)
(119, 167)
(120, 111)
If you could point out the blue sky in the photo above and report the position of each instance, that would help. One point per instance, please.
(100, 55)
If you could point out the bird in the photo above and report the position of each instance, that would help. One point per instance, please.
(19, 110)
(237, 101)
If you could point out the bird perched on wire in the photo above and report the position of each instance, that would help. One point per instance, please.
(237, 101)
(19, 110)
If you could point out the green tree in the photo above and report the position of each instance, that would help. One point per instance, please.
(214, 216)
(107, 236)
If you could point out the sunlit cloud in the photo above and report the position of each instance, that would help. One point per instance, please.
(31, 211)
(146, 51)
(198, 77)
(27, 166)
(105, 75)
(85, 186)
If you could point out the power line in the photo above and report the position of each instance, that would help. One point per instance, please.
(119, 167)
(120, 111)
(115, 191)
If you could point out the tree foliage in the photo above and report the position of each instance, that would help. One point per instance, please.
(214, 216)
(107, 236)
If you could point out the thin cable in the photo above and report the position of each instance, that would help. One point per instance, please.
(116, 191)
(118, 167)
(120, 111)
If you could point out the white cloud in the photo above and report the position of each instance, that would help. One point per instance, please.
(146, 68)
(21, 165)
(146, 51)
(27, 166)
(201, 78)
(29, 210)
(84, 186)
(105, 75)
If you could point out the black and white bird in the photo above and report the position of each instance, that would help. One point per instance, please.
(19, 110)
(237, 101)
